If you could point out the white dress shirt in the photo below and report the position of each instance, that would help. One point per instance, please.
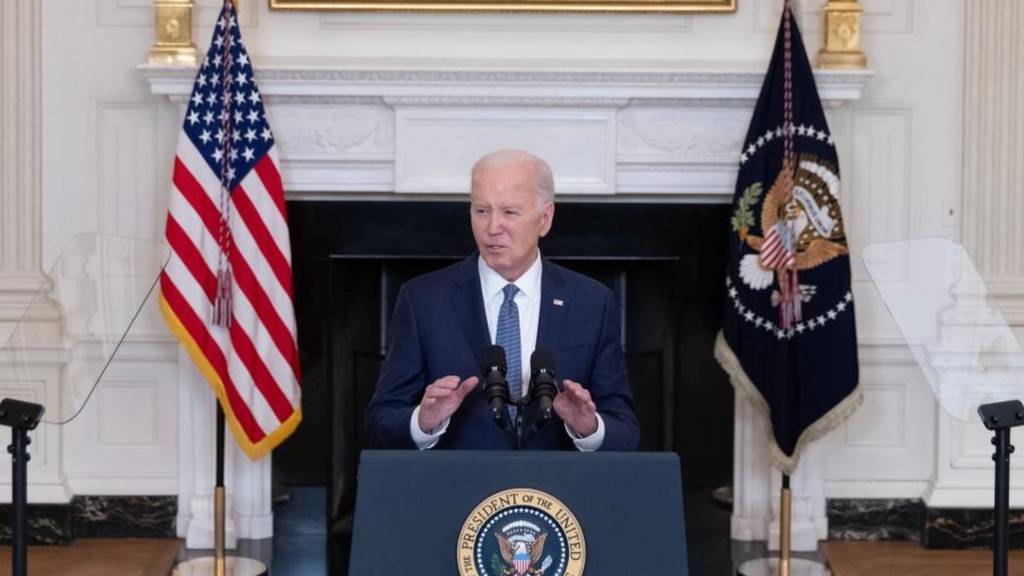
(527, 301)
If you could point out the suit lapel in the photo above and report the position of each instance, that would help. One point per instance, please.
(554, 308)
(468, 302)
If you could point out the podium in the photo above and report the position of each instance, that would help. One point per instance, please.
(451, 513)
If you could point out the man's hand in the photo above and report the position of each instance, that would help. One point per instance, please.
(442, 398)
(575, 407)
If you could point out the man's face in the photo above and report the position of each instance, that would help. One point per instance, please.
(508, 217)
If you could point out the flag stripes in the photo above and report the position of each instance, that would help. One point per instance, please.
(227, 212)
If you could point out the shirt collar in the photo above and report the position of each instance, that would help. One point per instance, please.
(493, 283)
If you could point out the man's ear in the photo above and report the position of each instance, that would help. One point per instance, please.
(547, 217)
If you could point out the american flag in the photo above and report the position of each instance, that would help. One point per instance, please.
(226, 292)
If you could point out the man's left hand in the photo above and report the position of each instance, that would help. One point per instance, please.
(575, 407)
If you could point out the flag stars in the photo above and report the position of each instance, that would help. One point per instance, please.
(239, 98)
(193, 117)
(250, 135)
(243, 59)
(248, 154)
(254, 97)
(208, 117)
(205, 136)
(254, 116)
(779, 332)
(197, 99)
(239, 117)
(242, 79)
(218, 155)
(265, 135)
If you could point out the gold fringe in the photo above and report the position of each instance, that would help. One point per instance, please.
(742, 383)
(254, 450)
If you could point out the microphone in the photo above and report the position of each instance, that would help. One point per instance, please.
(495, 385)
(542, 383)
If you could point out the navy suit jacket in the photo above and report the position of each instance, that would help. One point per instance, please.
(439, 328)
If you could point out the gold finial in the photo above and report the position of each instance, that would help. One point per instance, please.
(173, 45)
(842, 36)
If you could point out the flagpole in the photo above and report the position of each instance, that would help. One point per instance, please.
(785, 525)
(218, 499)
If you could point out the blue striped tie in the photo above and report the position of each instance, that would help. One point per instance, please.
(508, 338)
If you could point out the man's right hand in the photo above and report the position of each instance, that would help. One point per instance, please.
(442, 398)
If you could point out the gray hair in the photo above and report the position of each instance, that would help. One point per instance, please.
(501, 158)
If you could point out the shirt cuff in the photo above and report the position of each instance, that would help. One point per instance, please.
(588, 443)
(426, 441)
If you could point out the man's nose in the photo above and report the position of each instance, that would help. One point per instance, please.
(494, 224)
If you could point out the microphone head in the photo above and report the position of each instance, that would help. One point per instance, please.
(494, 357)
(542, 360)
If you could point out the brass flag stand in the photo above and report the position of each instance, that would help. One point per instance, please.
(220, 564)
(785, 564)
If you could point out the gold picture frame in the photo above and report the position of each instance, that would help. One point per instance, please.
(615, 6)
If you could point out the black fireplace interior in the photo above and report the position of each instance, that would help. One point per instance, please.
(664, 262)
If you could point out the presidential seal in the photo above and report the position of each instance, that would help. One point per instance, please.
(521, 532)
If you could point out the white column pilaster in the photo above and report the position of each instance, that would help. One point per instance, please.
(21, 274)
(991, 227)
(993, 199)
(756, 487)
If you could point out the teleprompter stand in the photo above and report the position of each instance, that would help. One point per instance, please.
(20, 417)
(999, 418)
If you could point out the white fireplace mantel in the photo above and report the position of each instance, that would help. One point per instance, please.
(608, 128)
(400, 130)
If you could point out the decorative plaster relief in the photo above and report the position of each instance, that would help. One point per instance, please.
(324, 132)
(687, 135)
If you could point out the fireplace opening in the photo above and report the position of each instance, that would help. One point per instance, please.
(664, 263)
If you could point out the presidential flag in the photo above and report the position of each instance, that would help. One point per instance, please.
(788, 337)
(226, 292)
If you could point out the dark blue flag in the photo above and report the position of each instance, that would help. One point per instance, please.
(788, 337)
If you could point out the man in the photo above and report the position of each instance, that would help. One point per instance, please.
(428, 394)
